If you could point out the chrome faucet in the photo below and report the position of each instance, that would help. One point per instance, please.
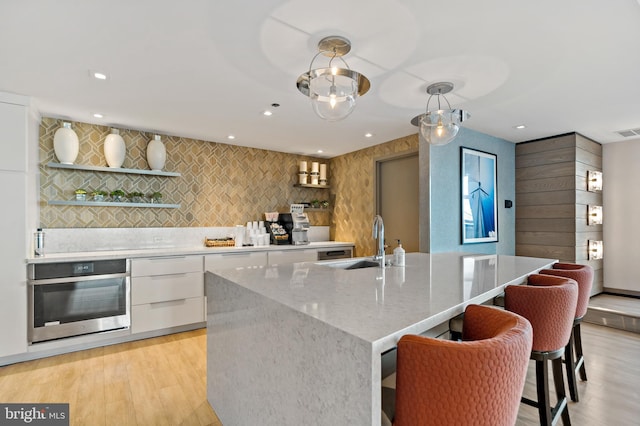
(378, 234)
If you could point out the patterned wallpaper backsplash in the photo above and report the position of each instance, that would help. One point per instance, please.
(220, 184)
(353, 182)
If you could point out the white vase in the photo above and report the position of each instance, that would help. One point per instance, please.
(65, 144)
(156, 154)
(114, 149)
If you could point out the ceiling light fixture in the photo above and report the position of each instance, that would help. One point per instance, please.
(520, 126)
(439, 127)
(333, 90)
(98, 115)
(231, 137)
(267, 113)
(98, 75)
(368, 135)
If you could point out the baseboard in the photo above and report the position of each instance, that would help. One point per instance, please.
(621, 292)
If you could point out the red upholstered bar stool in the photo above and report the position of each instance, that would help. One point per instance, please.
(548, 302)
(573, 354)
(478, 381)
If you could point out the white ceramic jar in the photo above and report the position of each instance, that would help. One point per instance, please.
(156, 153)
(66, 144)
(114, 149)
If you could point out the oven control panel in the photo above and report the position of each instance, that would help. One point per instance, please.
(83, 268)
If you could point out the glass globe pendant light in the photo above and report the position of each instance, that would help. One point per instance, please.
(333, 89)
(439, 127)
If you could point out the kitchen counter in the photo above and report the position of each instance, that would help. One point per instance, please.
(175, 251)
(302, 343)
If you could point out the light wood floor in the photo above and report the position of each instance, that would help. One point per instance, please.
(162, 381)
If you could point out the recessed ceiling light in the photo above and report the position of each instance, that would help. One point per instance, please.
(98, 115)
(267, 113)
(320, 151)
(520, 126)
(231, 137)
(98, 75)
(368, 135)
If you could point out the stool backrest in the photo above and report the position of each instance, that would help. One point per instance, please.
(583, 275)
(478, 382)
(549, 303)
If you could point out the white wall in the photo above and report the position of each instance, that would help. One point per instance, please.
(621, 216)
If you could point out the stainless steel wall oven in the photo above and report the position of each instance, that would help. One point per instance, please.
(75, 298)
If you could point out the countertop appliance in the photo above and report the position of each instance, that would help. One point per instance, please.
(297, 226)
(74, 298)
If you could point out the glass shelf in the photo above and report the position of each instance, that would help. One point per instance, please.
(111, 169)
(112, 204)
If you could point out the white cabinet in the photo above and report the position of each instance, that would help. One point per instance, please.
(235, 260)
(166, 292)
(17, 133)
(291, 256)
(13, 122)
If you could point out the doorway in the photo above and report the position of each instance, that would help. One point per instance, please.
(397, 200)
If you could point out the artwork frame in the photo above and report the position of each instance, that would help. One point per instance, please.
(478, 200)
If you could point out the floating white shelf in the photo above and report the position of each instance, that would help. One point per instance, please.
(111, 169)
(308, 185)
(112, 204)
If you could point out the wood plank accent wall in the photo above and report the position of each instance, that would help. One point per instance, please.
(552, 200)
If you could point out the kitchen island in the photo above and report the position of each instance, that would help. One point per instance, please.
(302, 343)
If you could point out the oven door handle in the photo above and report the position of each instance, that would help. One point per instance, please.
(77, 279)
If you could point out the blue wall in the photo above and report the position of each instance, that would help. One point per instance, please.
(444, 166)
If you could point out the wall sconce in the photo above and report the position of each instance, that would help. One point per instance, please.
(595, 250)
(594, 215)
(594, 181)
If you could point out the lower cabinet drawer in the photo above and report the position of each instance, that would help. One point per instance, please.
(165, 265)
(156, 316)
(166, 287)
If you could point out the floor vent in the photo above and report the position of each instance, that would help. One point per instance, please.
(629, 133)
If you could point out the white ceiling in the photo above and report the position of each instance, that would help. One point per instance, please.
(206, 69)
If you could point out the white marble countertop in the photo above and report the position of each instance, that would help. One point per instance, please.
(176, 251)
(379, 305)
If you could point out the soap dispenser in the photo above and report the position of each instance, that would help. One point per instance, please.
(398, 255)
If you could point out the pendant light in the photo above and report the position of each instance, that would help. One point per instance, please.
(439, 127)
(333, 89)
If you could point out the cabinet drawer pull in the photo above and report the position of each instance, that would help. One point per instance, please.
(168, 303)
(168, 276)
(165, 258)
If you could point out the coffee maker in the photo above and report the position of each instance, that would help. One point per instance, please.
(296, 223)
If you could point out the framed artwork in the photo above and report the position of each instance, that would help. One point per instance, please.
(479, 196)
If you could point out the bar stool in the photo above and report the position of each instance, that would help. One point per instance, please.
(548, 302)
(478, 381)
(573, 355)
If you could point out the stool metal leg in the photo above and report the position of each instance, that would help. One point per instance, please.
(542, 383)
(579, 355)
(571, 368)
(561, 405)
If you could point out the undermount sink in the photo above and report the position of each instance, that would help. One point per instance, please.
(359, 264)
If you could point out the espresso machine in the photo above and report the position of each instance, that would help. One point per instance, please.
(296, 223)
